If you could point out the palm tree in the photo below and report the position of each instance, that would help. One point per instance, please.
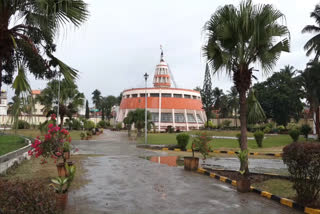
(239, 37)
(313, 44)
(70, 98)
(128, 121)
(310, 79)
(30, 40)
(233, 100)
(217, 94)
(138, 119)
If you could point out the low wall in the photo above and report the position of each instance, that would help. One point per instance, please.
(15, 157)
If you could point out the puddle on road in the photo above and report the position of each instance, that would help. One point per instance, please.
(167, 160)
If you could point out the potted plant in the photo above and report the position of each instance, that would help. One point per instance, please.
(61, 186)
(243, 183)
(89, 135)
(201, 143)
(191, 163)
(66, 150)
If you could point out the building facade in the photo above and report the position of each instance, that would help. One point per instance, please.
(176, 107)
(3, 103)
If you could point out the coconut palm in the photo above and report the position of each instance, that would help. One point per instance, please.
(27, 32)
(313, 44)
(237, 38)
(70, 98)
(233, 102)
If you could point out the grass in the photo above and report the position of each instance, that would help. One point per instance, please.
(33, 133)
(279, 187)
(9, 143)
(272, 143)
(228, 133)
(33, 169)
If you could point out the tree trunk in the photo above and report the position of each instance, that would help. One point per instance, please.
(317, 122)
(235, 118)
(61, 122)
(243, 126)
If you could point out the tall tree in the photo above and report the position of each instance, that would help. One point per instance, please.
(87, 116)
(313, 44)
(207, 94)
(233, 100)
(70, 98)
(280, 96)
(96, 98)
(310, 80)
(197, 88)
(237, 38)
(27, 32)
(218, 95)
(107, 103)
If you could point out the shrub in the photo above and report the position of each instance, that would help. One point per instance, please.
(294, 134)
(119, 126)
(238, 136)
(305, 130)
(291, 126)
(258, 136)
(303, 161)
(102, 124)
(182, 140)
(170, 129)
(201, 142)
(29, 196)
(76, 124)
(226, 123)
(281, 128)
(267, 129)
(89, 125)
(23, 124)
(208, 124)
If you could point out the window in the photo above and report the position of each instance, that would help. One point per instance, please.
(142, 95)
(194, 97)
(199, 118)
(179, 118)
(166, 117)
(134, 95)
(165, 95)
(177, 95)
(128, 96)
(154, 95)
(191, 118)
(199, 98)
(187, 96)
(155, 117)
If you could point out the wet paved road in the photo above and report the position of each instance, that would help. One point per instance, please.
(121, 181)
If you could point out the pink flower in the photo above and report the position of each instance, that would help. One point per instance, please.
(58, 154)
(53, 117)
(50, 126)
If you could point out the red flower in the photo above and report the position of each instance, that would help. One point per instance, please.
(58, 154)
(53, 117)
(50, 126)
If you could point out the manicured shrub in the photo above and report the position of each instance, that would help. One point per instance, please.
(89, 125)
(119, 126)
(76, 124)
(102, 124)
(291, 126)
(28, 196)
(182, 140)
(294, 134)
(209, 124)
(23, 124)
(281, 128)
(303, 161)
(258, 136)
(305, 130)
(267, 129)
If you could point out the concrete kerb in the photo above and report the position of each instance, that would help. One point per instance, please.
(17, 156)
(283, 201)
(231, 152)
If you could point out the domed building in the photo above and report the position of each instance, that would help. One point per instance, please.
(176, 107)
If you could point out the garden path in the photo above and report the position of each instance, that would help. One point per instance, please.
(120, 181)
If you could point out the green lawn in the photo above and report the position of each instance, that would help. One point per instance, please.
(33, 133)
(9, 143)
(269, 142)
(223, 133)
(279, 187)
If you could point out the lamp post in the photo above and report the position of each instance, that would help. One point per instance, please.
(58, 99)
(145, 111)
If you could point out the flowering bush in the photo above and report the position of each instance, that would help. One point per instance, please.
(53, 143)
(201, 142)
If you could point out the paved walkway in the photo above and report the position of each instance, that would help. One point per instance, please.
(121, 181)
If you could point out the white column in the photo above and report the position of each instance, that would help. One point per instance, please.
(195, 116)
(159, 110)
(186, 118)
(173, 119)
(203, 118)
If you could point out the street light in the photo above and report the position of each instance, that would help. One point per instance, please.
(145, 111)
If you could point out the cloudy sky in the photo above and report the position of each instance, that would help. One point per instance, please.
(121, 40)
